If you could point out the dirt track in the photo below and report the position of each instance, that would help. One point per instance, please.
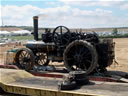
(121, 52)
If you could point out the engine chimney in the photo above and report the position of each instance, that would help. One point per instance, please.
(35, 22)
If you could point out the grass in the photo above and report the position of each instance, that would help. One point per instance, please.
(22, 37)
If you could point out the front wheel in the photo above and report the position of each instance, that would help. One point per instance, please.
(24, 59)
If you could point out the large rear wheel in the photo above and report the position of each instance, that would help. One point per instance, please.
(80, 55)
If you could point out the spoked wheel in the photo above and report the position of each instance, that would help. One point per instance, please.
(25, 59)
(80, 55)
(61, 35)
(42, 59)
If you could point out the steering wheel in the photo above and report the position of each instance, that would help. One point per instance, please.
(61, 36)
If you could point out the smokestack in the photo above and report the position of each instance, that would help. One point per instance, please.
(35, 22)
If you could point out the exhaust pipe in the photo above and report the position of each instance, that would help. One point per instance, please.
(35, 22)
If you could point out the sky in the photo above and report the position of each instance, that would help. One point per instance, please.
(70, 13)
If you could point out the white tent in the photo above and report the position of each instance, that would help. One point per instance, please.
(2, 44)
(21, 32)
(5, 33)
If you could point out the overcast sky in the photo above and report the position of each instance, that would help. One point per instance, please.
(70, 13)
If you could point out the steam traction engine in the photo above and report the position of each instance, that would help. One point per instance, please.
(78, 50)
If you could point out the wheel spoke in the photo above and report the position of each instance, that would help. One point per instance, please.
(81, 50)
(76, 49)
(66, 39)
(57, 34)
(71, 52)
(70, 58)
(42, 61)
(27, 55)
(74, 67)
(89, 61)
(85, 68)
(39, 62)
(85, 52)
(22, 54)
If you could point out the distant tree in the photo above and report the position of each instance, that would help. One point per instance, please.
(115, 31)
